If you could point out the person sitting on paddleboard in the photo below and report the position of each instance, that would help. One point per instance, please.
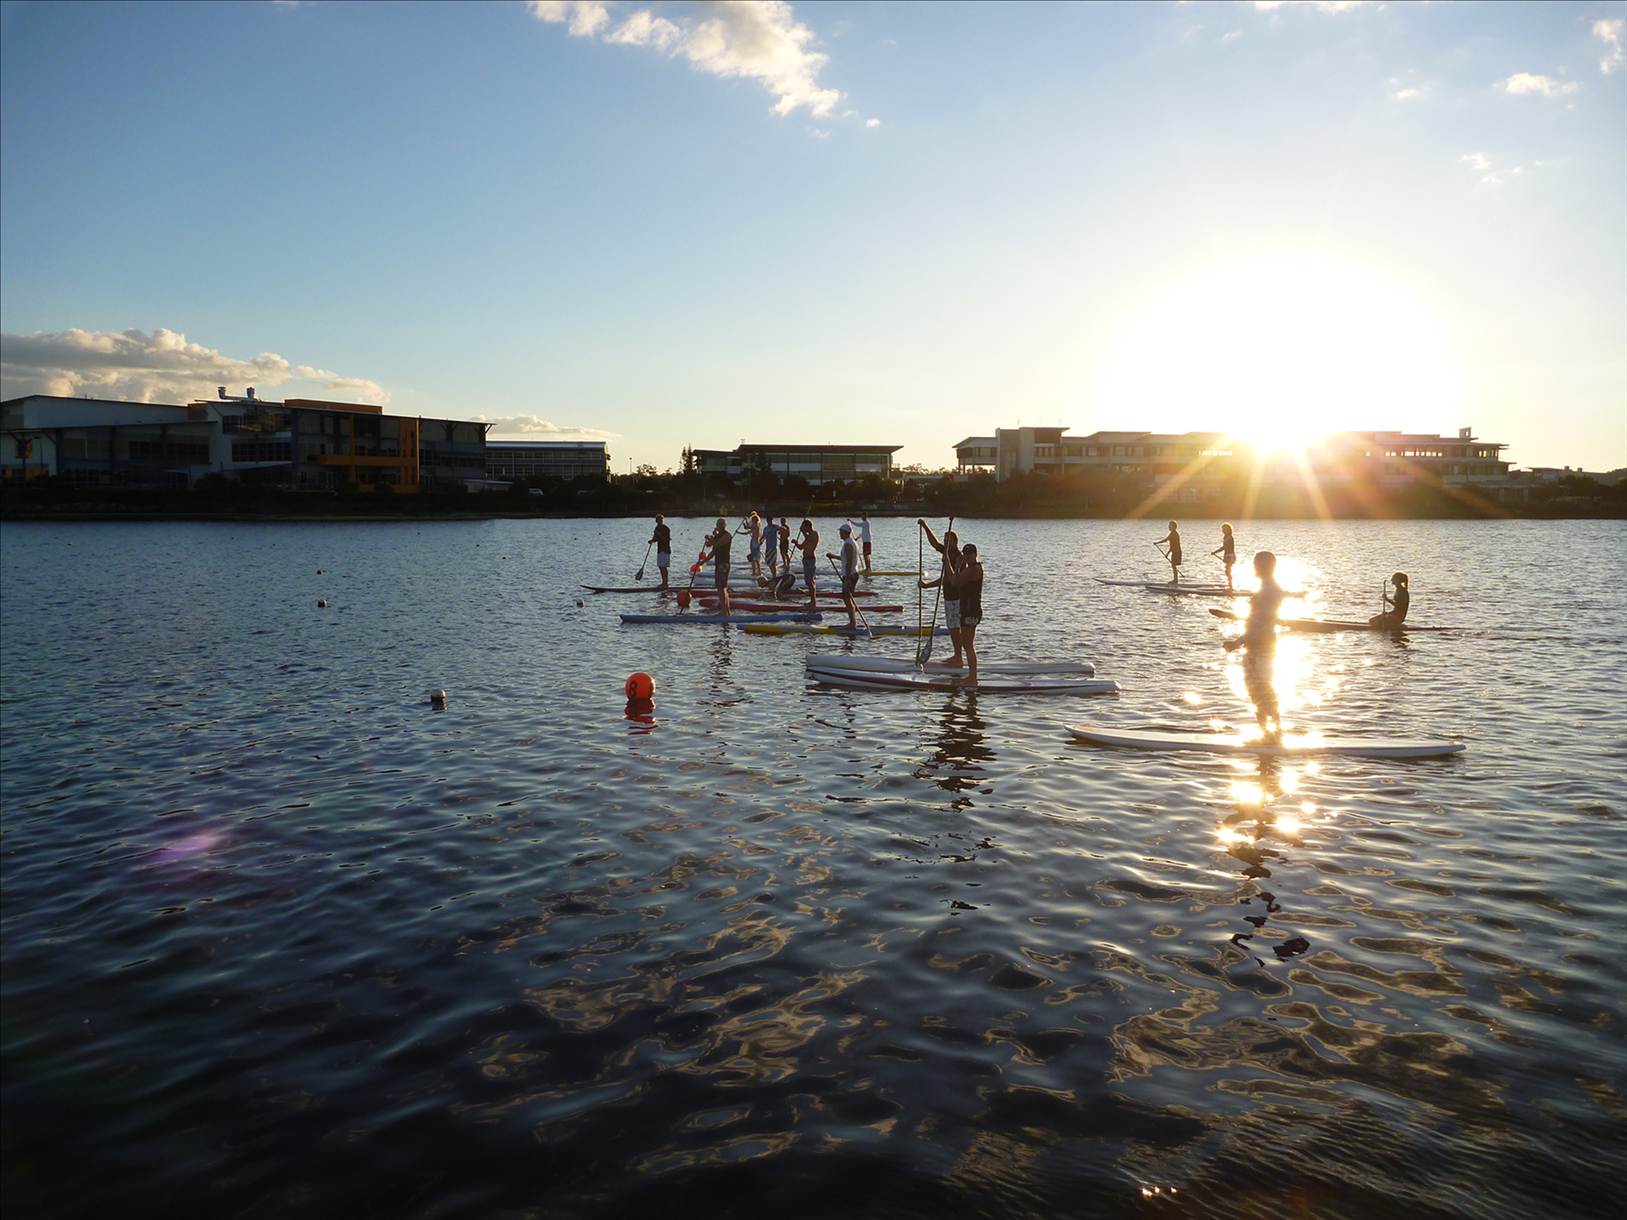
(662, 538)
(949, 548)
(808, 544)
(1173, 538)
(1227, 550)
(848, 563)
(1395, 612)
(721, 539)
(1260, 638)
(967, 581)
(864, 537)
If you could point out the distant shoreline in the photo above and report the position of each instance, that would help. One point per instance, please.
(1162, 512)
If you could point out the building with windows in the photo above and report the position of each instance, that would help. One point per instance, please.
(302, 443)
(813, 463)
(1197, 459)
(520, 461)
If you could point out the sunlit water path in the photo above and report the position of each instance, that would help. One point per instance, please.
(280, 938)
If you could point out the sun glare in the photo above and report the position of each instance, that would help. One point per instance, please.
(1280, 351)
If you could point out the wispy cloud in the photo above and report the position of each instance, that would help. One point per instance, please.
(1609, 32)
(1534, 82)
(164, 366)
(758, 40)
(534, 427)
(1321, 6)
(1403, 91)
(1491, 174)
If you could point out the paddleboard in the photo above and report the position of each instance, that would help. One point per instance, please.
(888, 572)
(759, 619)
(1292, 745)
(1194, 590)
(747, 603)
(709, 594)
(631, 588)
(1325, 624)
(843, 629)
(838, 662)
(993, 684)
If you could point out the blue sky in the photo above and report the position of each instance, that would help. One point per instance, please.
(690, 223)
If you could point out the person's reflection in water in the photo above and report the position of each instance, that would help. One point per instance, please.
(1260, 639)
(1251, 848)
(956, 765)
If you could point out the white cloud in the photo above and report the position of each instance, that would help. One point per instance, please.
(534, 427)
(1609, 33)
(586, 17)
(645, 29)
(1404, 91)
(163, 366)
(872, 122)
(1535, 82)
(1321, 6)
(758, 40)
(1491, 174)
(1229, 37)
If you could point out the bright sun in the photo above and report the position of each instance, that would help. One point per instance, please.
(1278, 351)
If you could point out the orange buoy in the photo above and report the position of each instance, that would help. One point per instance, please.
(683, 599)
(640, 686)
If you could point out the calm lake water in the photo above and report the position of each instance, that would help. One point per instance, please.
(281, 939)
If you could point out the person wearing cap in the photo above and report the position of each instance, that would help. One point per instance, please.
(848, 565)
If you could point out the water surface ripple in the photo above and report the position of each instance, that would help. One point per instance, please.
(281, 938)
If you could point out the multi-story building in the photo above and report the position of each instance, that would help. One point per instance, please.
(301, 443)
(520, 460)
(814, 463)
(1200, 458)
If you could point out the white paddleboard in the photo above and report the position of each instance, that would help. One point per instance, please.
(783, 616)
(843, 629)
(991, 684)
(838, 662)
(1292, 744)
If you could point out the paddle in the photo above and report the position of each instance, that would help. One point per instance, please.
(640, 574)
(923, 648)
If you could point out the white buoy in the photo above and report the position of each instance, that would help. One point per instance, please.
(321, 603)
(437, 698)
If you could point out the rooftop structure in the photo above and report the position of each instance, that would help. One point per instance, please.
(522, 460)
(814, 463)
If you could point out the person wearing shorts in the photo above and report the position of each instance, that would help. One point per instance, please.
(785, 543)
(808, 544)
(720, 540)
(967, 580)
(662, 538)
(864, 537)
(848, 566)
(755, 524)
(949, 548)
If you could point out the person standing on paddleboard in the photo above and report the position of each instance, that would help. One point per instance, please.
(662, 538)
(720, 540)
(808, 544)
(754, 526)
(949, 548)
(785, 545)
(1227, 550)
(967, 581)
(848, 562)
(1173, 538)
(863, 524)
(1260, 639)
(1395, 612)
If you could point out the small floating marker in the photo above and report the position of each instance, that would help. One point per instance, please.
(580, 602)
(319, 571)
(437, 698)
(683, 599)
(321, 603)
(640, 687)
